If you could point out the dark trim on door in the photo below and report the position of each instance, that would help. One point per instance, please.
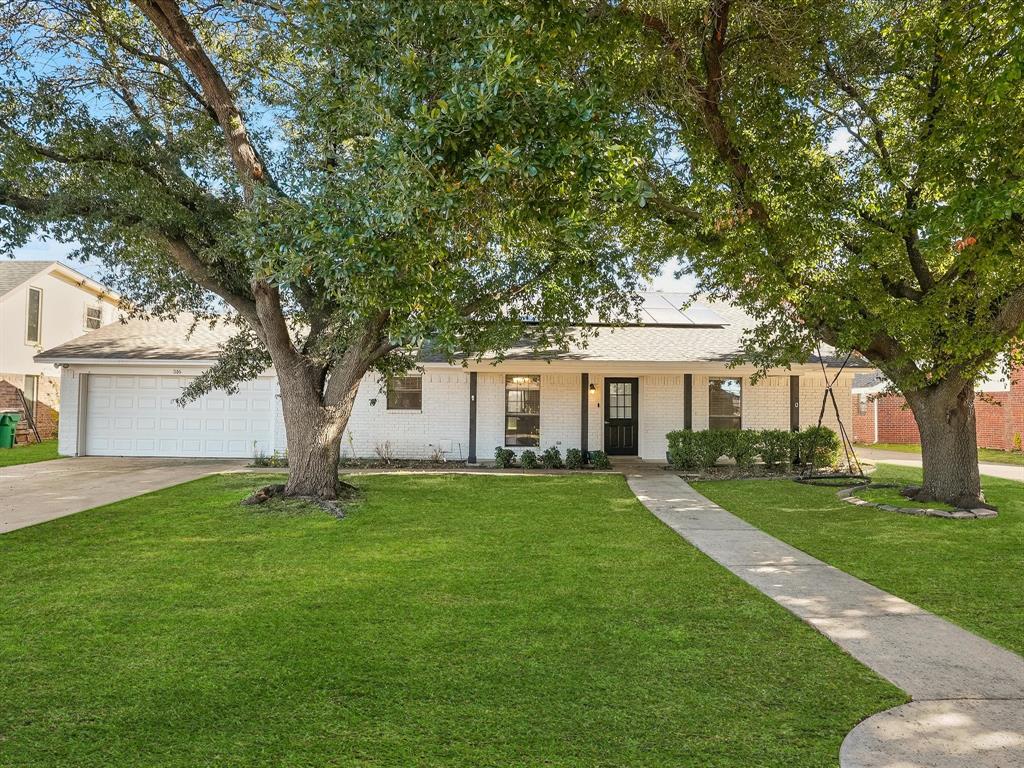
(584, 413)
(472, 417)
(688, 401)
(794, 403)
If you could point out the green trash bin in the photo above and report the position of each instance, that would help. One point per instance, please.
(8, 426)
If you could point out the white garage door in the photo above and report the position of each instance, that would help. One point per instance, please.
(138, 416)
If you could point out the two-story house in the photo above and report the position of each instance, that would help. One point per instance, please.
(43, 304)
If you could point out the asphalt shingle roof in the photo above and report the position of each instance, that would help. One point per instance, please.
(138, 339)
(715, 338)
(14, 273)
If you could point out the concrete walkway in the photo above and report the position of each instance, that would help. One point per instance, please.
(46, 490)
(968, 694)
(1005, 471)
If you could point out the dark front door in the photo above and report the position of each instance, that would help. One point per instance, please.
(621, 397)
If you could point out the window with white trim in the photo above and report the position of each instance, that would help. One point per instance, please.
(93, 318)
(725, 404)
(405, 393)
(522, 410)
(34, 316)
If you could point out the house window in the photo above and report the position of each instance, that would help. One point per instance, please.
(862, 404)
(522, 410)
(34, 319)
(31, 393)
(93, 318)
(725, 404)
(405, 393)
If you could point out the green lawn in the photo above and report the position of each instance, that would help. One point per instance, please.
(28, 454)
(447, 621)
(1015, 458)
(893, 497)
(970, 571)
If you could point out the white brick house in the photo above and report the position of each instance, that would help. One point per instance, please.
(621, 392)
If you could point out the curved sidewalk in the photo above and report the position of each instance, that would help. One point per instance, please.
(968, 694)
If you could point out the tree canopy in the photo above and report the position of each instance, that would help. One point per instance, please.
(849, 171)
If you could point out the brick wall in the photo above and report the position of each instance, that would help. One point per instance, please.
(661, 411)
(1000, 418)
(442, 424)
(47, 404)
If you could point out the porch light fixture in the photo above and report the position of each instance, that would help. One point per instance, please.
(593, 388)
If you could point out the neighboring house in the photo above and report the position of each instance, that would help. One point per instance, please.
(882, 416)
(621, 392)
(42, 304)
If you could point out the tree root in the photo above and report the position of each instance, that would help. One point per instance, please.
(918, 493)
(277, 491)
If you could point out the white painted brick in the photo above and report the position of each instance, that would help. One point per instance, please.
(67, 427)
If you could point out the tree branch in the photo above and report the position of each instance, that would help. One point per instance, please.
(169, 21)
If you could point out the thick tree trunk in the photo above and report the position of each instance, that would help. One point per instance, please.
(949, 445)
(314, 433)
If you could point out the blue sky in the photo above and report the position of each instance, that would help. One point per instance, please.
(50, 250)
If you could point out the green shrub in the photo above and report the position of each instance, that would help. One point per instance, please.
(504, 458)
(714, 443)
(742, 446)
(818, 446)
(701, 450)
(528, 460)
(551, 458)
(776, 448)
(682, 449)
(599, 460)
(573, 458)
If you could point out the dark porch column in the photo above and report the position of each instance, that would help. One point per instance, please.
(794, 403)
(472, 417)
(584, 412)
(687, 401)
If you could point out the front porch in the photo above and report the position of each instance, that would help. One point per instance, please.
(627, 413)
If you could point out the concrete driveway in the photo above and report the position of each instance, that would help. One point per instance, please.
(1005, 471)
(35, 493)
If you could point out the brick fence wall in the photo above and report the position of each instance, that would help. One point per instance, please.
(46, 405)
(1000, 417)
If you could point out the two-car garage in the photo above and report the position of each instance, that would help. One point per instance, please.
(137, 415)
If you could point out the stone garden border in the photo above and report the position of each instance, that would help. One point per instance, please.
(847, 495)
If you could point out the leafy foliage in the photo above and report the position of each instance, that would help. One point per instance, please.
(528, 459)
(701, 450)
(847, 171)
(818, 447)
(574, 458)
(599, 460)
(504, 458)
(776, 447)
(551, 458)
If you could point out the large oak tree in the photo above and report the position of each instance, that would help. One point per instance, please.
(345, 181)
(852, 172)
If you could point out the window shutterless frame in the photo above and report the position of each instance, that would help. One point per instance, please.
(522, 411)
(93, 318)
(405, 393)
(34, 316)
(725, 403)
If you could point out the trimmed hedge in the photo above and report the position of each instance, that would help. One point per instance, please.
(599, 460)
(818, 446)
(776, 448)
